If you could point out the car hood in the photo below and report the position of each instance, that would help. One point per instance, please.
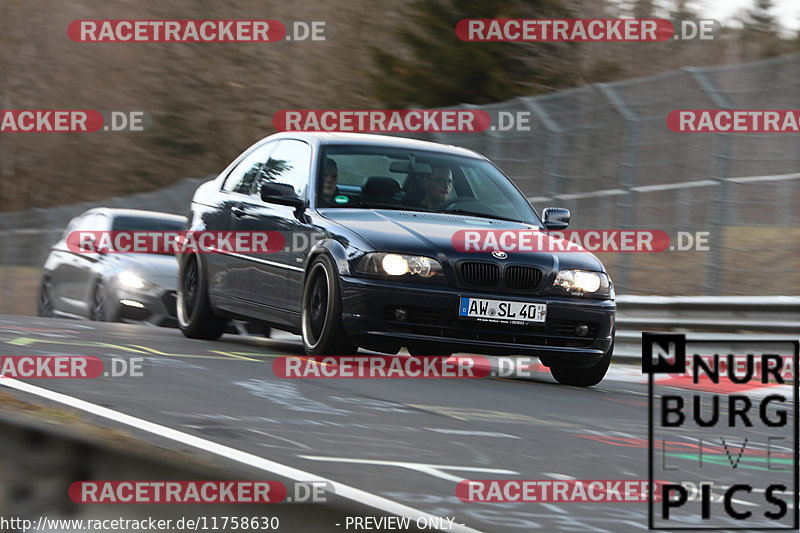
(156, 268)
(431, 234)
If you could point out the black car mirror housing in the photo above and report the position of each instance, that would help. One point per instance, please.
(281, 194)
(89, 245)
(556, 218)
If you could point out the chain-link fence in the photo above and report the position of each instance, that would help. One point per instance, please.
(604, 152)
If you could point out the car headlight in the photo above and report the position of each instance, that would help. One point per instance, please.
(584, 283)
(396, 265)
(129, 280)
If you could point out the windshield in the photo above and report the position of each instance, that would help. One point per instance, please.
(134, 223)
(148, 223)
(375, 177)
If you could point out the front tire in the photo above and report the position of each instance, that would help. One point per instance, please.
(196, 318)
(99, 304)
(583, 377)
(322, 329)
(44, 300)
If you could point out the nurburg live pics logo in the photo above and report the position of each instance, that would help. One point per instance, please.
(723, 432)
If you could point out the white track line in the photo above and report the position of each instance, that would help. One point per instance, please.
(345, 491)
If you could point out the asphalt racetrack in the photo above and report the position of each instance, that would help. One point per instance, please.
(406, 441)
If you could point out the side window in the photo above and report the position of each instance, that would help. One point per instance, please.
(289, 163)
(243, 175)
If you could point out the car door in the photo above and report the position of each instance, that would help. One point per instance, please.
(230, 273)
(60, 265)
(270, 274)
(79, 271)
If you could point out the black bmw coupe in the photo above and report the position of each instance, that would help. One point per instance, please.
(369, 257)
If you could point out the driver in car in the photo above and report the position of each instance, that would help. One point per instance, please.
(436, 187)
(330, 177)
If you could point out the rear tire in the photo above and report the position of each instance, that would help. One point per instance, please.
(583, 377)
(196, 318)
(321, 315)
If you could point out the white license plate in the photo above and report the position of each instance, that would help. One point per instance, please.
(501, 310)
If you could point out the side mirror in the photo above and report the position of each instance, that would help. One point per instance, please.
(556, 218)
(281, 194)
(88, 244)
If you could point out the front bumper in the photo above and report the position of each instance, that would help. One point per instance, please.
(156, 305)
(432, 323)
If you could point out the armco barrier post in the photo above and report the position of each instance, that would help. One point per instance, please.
(627, 175)
(717, 218)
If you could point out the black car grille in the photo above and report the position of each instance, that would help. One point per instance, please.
(488, 275)
(134, 313)
(480, 332)
(436, 322)
(480, 274)
(522, 277)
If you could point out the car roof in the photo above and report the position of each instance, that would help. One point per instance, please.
(117, 212)
(340, 138)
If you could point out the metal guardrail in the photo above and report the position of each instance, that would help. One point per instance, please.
(708, 317)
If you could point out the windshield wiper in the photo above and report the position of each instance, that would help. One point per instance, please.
(390, 207)
(483, 215)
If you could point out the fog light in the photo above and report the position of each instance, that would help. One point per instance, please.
(581, 330)
(132, 303)
(401, 314)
